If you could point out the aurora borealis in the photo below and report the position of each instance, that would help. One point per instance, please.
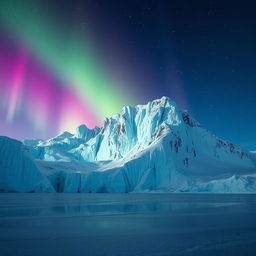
(63, 63)
(53, 79)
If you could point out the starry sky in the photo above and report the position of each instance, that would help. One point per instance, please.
(63, 63)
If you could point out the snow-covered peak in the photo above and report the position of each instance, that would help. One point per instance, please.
(83, 132)
(134, 130)
(62, 136)
(156, 147)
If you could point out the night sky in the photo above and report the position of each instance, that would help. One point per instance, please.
(63, 63)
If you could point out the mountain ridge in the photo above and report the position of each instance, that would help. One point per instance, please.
(152, 147)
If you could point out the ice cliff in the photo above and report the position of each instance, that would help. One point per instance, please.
(153, 147)
(18, 171)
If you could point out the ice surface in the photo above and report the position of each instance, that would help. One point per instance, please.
(127, 224)
(152, 147)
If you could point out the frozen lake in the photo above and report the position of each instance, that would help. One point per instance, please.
(127, 224)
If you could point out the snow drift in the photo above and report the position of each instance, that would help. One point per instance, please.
(153, 147)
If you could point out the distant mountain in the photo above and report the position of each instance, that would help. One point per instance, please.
(153, 147)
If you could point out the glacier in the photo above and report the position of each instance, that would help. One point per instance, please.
(18, 171)
(155, 147)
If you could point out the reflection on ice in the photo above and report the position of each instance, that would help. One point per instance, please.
(127, 224)
(95, 204)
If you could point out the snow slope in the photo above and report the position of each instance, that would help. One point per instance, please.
(18, 172)
(153, 147)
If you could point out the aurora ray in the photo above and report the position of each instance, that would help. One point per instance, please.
(70, 58)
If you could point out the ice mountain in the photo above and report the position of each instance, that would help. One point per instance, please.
(152, 147)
